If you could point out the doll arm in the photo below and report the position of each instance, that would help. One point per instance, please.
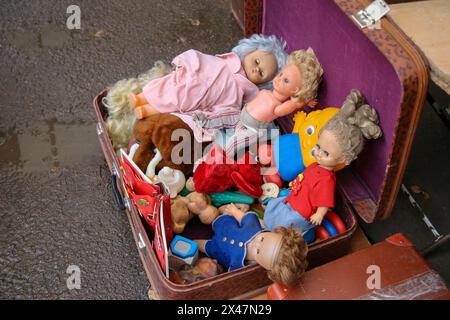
(287, 107)
(234, 211)
(319, 215)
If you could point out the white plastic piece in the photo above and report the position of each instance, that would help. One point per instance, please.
(270, 190)
(133, 150)
(152, 164)
(173, 180)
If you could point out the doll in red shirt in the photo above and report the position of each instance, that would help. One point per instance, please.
(340, 141)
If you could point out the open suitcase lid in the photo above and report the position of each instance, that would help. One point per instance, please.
(382, 64)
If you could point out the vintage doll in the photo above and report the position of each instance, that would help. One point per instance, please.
(238, 237)
(340, 141)
(207, 91)
(293, 88)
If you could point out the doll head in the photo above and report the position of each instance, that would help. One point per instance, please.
(282, 253)
(268, 49)
(311, 73)
(290, 262)
(349, 128)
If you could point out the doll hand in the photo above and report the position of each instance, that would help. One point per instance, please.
(316, 219)
(312, 103)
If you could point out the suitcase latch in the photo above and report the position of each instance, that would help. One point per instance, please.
(99, 129)
(141, 243)
(372, 14)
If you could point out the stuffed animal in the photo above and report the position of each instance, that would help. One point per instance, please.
(180, 214)
(155, 132)
(219, 173)
(183, 210)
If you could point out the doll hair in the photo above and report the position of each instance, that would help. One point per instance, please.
(264, 43)
(354, 122)
(291, 261)
(311, 72)
(121, 118)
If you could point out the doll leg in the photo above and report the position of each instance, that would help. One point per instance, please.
(145, 111)
(242, 137)
(137, 100)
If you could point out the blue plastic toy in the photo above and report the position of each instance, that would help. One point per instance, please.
(185, 249)
(329, 227)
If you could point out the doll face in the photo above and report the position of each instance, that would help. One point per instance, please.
(327, 151)
(265, 248)
(260, 66)
(288, 81)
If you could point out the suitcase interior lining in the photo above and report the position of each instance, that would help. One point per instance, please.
(350, 60)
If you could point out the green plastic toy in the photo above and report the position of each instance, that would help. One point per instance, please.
(226, 197)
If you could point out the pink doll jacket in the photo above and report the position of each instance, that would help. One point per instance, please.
(205, 91)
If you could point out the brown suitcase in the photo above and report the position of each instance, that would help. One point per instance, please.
(370, 185)
(402, 275)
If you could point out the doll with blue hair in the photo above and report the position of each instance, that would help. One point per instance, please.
(207, 91)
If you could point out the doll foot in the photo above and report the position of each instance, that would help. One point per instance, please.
(134, 101)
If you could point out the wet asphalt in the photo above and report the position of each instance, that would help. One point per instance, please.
(56, 205)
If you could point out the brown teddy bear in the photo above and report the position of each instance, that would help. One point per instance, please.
(183, 210)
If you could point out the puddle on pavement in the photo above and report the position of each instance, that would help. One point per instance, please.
(48, 146)
(49, 36)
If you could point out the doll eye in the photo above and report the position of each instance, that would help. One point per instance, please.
(286, 80)
(310, 131)
(312, 152)
(257, 61)
(257, 251)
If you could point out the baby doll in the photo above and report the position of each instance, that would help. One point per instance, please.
(293, 88)
(238, 236)
(207, 91)
(340, 141)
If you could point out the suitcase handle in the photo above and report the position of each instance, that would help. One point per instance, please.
(117, 196)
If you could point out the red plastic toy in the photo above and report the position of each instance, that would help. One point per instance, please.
(336, 221)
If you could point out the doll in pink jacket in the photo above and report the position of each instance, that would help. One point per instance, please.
(207, 91)
(293, 88)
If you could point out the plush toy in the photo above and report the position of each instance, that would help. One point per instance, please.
(180, 214)
(218, 173)
(183, 210)
(238, 237)
(156, 132)
(293, 88)
(340, 141)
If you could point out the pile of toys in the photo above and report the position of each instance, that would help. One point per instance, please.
(203, 131)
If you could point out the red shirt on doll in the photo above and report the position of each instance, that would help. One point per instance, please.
(311, 190)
